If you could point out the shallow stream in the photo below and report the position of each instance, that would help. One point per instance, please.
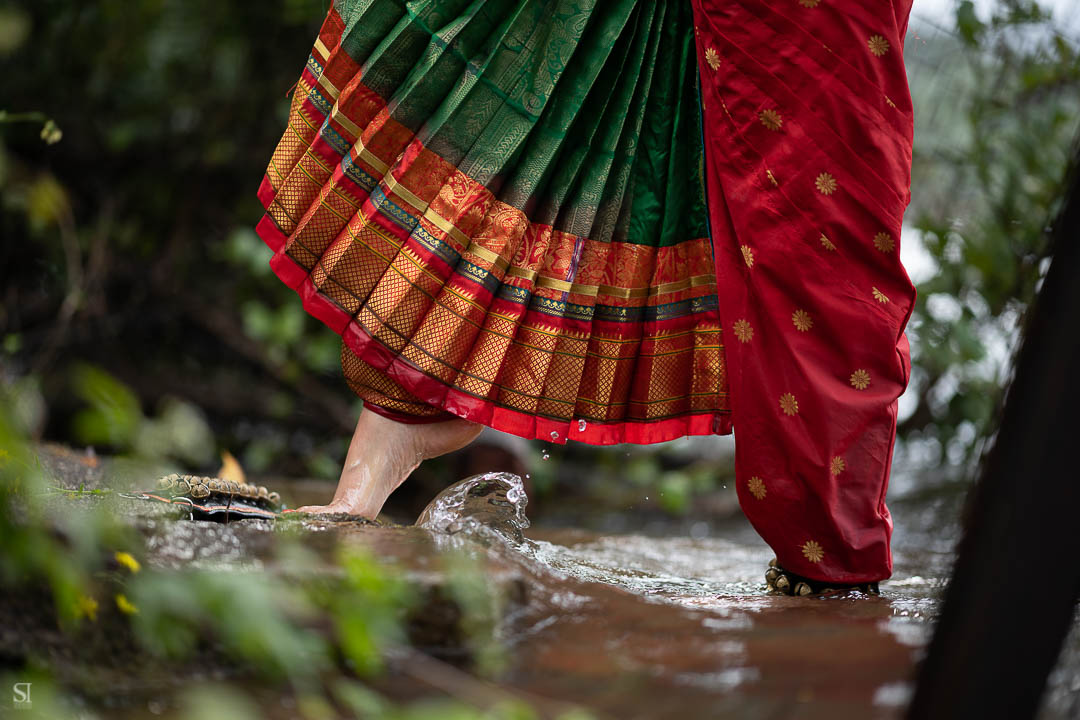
(637, 626)
(667, 624)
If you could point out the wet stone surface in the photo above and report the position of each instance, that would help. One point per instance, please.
(630, 626)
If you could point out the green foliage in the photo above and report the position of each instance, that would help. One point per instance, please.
(14, 29)
(178, 430)
(25, 404)
(481, 606)
(219, 702)
(170, 110)
(383, 597)
(113, 417)
(251, 615)
(996, 121)
(673, 478)
(968, 24)
(271, 625)
(676, 492)
(62, 551)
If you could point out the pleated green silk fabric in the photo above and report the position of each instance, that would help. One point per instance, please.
(500, 206)
(585, 114)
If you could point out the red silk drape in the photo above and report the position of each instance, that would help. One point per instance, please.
(808, 141)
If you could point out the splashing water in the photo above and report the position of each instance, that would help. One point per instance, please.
(689, 571)
(483, 505)
(704, 593)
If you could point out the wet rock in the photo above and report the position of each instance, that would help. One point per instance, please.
(481, 508)
(322, 520)
(72, 469)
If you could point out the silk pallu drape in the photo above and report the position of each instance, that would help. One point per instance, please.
(620, 221)
(808, 150)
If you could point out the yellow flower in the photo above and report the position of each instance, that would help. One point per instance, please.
(756, 486)
(712, 57)
(802, 320)
(812, 551)
(827, 243)
(837, 465)
(880, 296)
(744, 331)
(878, 45)
(748, 255)
(771, 119)
(86, 607)
(128, 561)
(883, 241)
(789, 404)
(825, 183)
(125, 605)
(860, 379)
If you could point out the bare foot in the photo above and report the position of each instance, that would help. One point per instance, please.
(383, 453)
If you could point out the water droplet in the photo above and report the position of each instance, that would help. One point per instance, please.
(527, 476)
(581, 425)
(545, 456)
(554, 435)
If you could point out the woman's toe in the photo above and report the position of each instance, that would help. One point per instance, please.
(322, 509)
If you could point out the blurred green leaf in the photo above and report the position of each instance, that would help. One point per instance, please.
(14, 29)
(481, 604)
(675, 493)
(367, 610)
(46, 202)
(968, 24)
(27, 405)
(247, 612)
(180, 430)
(219, 702)
(114, 415)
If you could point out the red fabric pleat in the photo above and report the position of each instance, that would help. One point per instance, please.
(808, 140)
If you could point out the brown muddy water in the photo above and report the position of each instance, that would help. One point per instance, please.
(634, 626)
(675, 625)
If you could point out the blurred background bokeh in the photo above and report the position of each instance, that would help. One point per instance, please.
(140, 318)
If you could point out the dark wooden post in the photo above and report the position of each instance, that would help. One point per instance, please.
(1017, 577)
